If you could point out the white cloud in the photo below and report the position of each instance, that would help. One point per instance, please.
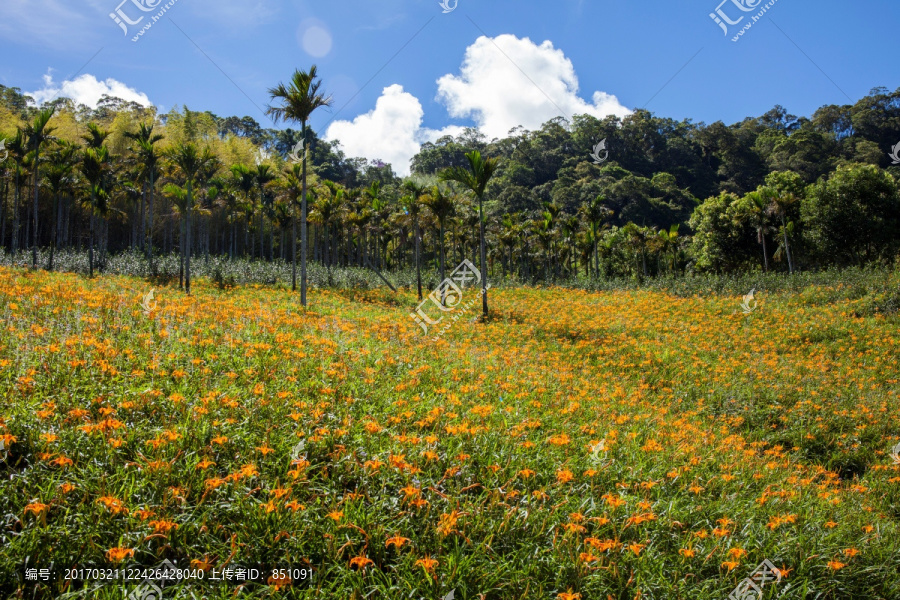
(87, 89)
(490, 90)
(493, 90)
(391, 132)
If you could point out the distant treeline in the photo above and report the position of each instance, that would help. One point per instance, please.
(774, 192)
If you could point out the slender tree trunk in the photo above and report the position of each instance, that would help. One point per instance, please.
(327, 261)
(187, 258)
(34, 240)
(143, 215)
(3, 217)
(181, 252)
(149, 230)
(53, 232)
(441, 226)
(418, 261)
(762, 236)
(303, 233)
(484, 273)
(15, 231)
(91, 241)
(787, 247)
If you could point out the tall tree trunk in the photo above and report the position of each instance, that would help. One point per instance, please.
(3, 217)
(91, 240)
(149, 231)
(34, 241)
(787, 246)
(15, 231)
(187, 258)
(441, 228)
(143, 214)
(418, 261)
(303, 233)
(53, 231)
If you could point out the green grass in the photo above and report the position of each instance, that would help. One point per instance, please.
(716, 424)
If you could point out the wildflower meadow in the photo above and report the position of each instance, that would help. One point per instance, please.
(578, 444)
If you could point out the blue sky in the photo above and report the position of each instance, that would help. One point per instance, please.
(488, 64)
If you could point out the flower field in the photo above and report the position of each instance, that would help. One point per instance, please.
(617, 445)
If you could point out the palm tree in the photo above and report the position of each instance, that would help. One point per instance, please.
(299, 100)
(17, 149)
(242, 176)
(94, 167)
(95, 137)
(293, 179)
(476, 178)
(779, 203)
(442, 207)
(145, 140)
(191, 162)
(262, 176)
(38, 132)
(60, 177)
(668, 241)
(326, 209)
(413, 206)
(509, 236)
(596, 213)
(758, 205)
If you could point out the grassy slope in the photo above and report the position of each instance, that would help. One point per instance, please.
(729, 439)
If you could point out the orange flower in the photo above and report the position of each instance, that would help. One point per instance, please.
(163, 527)
(851, 552)
(202, 565)
(687, 552)
(336, 515)
(568, 595)
(564, 476)
(280, 581)
(427, 563)
(737, 553)
(360, 562)
(36, 508)
(117, 555)
(396, 541)
(114, 505)
(636, 548)
(836, 565)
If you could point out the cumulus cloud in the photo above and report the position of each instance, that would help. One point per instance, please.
(87, 89)
(391, 132)
(493, 89)
(489, 89)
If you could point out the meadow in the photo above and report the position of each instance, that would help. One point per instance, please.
(581, 444)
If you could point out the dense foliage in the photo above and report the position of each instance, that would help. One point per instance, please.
(775, 192)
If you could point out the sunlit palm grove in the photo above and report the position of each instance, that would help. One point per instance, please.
(623, 419)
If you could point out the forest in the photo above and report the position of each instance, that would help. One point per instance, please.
(775, 192)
